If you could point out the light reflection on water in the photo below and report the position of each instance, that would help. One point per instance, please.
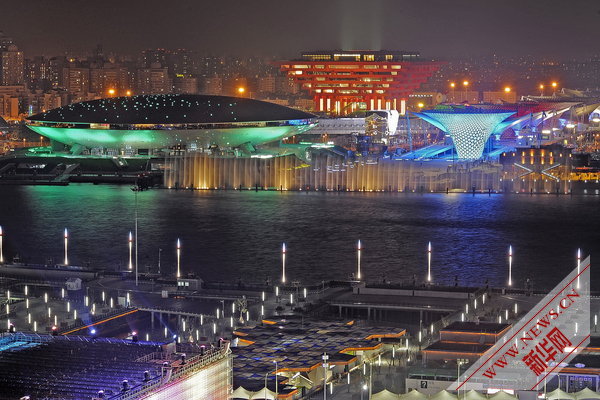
(228, 235)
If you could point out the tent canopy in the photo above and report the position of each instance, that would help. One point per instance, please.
(241, 393)
(558, 394)
(473, 395)
(502, 395)
(586, 393)
(413, 395)
(443, 395)
(385, 395)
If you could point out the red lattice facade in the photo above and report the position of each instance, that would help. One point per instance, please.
(343, 81)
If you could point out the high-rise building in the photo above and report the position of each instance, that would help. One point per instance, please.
(12, 62)
(154, 80)
(343, 81)
(76, 79)
(111, 79)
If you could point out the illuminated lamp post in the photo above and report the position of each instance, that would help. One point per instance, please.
(111, 92)
(554, 86)
(178, 259)
(358, 251)
(135, 190)
(283, 250)
(510, 254)
(325, 366)
(128, 93)
(1, 246)
(541, 89)
(66, 237)
(466, 86)
(578, 265)
(130, 251)
(429, 263)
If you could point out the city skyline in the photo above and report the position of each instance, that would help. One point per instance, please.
(507, 28)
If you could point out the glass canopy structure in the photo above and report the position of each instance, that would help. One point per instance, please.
(469, 127)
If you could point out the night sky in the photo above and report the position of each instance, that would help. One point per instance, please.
(437, 28)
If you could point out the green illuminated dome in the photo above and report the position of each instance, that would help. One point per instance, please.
(158, 121)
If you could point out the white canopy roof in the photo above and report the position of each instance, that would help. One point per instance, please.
(385, 395)
(586, 393)
(558, 394)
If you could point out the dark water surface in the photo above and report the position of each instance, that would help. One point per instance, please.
(227, 235)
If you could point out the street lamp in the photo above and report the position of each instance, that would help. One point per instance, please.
(429, 262)
(178, 259)
(1, 249)
(358, 250)
(541, 89)
(507, 89)
(325, 366)
(510, 254)
(130, 251)
(283, 263)
(135, 190)
(459, 362)
(276, 383)
(66, 236)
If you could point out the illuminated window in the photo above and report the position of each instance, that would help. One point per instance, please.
(369, 57)
(396, 67)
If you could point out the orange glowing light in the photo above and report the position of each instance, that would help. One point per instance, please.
(241, 90)
(111, 91)
(466, 83)
(507, 89)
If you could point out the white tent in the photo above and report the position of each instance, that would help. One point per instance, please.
(558, 394)
(443, 395)
(385, 395)
(263, 394)
(241, 393)
(586, 393)
(502, 395)
(413, 395)
(473, 395)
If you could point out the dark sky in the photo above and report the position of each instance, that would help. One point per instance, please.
(437, 28)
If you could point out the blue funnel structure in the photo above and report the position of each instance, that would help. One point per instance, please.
(469, 127)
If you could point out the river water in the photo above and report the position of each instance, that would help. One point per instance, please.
(232, 235)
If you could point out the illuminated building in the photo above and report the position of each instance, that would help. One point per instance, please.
(469, 127)
(190, 122)
(344, 81)
(112, 369)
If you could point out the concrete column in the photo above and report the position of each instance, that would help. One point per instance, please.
(368, 313)
(152, 319)
(340, 310)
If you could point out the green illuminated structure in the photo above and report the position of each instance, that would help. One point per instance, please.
(165, 121)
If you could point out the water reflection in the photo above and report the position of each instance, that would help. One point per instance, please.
(231, 235)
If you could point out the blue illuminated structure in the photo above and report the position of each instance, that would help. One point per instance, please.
(469, 127)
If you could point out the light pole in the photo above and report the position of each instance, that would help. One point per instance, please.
(276, 383)
(358, 250)
(130, 251)
(1, 249)
(283, 263)
(578, 265)
(66, 236)
(510, 254)
(429, 263)
(459, 362)
(178, 259)
(325, 366)
(136, 189)
(159, 251)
